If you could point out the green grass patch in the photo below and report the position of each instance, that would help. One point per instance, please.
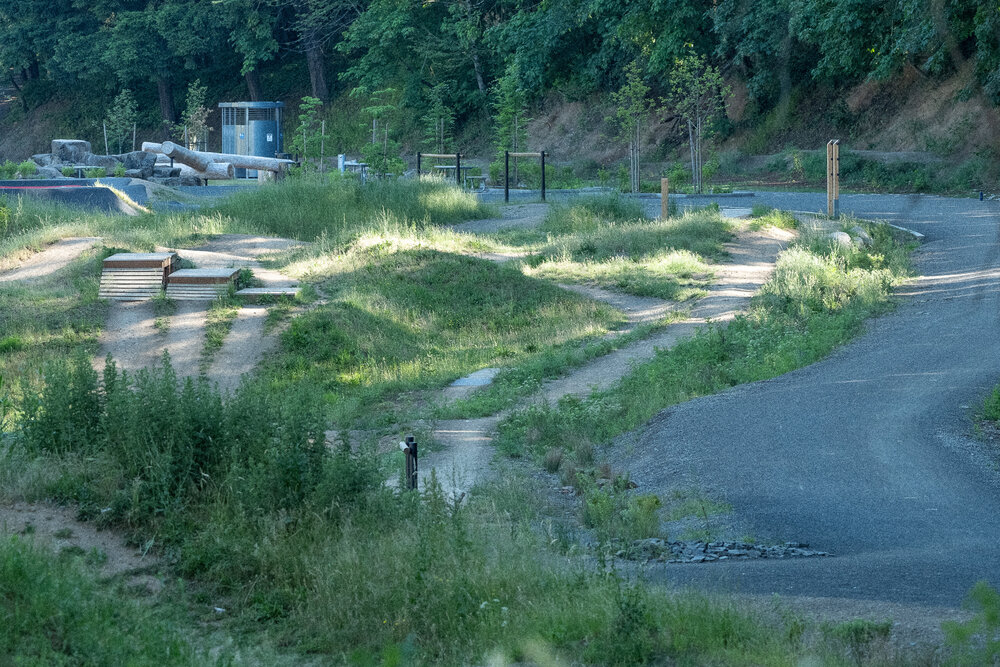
(588, 214)
(991, 405)
(339, 209)
(55, 614)
(219, 321)
(401, 319)
(765, 216)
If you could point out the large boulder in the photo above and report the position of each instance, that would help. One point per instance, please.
(44, 159)
(109, 162)
(70, 151)
(49, 172)
(840, 238)
(135, 173)
(138, 160)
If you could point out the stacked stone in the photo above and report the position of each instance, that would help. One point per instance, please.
(655, 549)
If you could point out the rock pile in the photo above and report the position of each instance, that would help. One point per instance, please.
(655, 549)
(75, 153)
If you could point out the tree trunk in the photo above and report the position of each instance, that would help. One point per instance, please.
(166, 92)
(317, 68)
(34, 71)
(479, 72)
(253, 85)
(13, 81)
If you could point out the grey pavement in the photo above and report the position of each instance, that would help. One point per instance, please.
(869, 454)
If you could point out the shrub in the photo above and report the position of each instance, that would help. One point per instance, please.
(8, 169)
(991, 405)
(68, 172)
(161, 441)
(119, 170)
(27, 168)
(96, 172)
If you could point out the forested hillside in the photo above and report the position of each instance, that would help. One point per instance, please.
(429, 70)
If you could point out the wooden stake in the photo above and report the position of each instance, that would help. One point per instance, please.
(106, 152)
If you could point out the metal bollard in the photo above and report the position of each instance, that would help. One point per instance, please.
(409, 448)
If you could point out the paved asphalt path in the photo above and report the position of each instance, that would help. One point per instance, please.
(868, 454)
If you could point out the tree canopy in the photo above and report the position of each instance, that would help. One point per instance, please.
(455, 53)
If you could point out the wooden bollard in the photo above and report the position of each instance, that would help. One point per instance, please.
(664, 196)
(409, 447)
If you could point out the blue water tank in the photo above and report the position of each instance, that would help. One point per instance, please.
(251, 128)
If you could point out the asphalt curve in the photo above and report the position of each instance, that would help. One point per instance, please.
(869, 454)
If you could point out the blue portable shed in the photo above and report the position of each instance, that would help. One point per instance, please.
(251, 128)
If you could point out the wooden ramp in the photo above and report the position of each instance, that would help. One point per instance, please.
(134, 276)
(258, 294)
(200, 284)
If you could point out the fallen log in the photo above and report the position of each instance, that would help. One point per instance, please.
(170, 149)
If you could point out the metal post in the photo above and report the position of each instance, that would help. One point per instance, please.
(458, 169)
(664, 198)
(418, 166)
(322, 145)
(105, 138)
(187, 142)
(409, 447)
(506, 177)
(543, 175)
(133, 137)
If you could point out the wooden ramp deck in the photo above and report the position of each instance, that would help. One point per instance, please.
(200, 284)
(134, 276)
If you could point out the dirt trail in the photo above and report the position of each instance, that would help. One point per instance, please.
(56, 257)
(466, 456)
(130, 336)
(248, 342)
(134, 342)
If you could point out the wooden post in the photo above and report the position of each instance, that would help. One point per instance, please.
(133, 137)
(409, 447)
(458, 169)
(322, 145)
(543, 175)
(664, 198)
(833, 178)
(418, 166)
(506, 177)
(105, 138)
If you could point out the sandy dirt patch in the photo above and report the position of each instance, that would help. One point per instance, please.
(54, 258)
(58, 529)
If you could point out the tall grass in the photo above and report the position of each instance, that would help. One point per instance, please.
(55, 614)
(338, 208)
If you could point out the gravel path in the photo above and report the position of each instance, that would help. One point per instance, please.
(867, 454)
(54, 258)
(467, 452)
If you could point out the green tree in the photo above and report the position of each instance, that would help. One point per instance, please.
(697, 95)
(439, 121)
(194, 118)
(308, 140)
(510, 115)
(632, 107)
(120, 119)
